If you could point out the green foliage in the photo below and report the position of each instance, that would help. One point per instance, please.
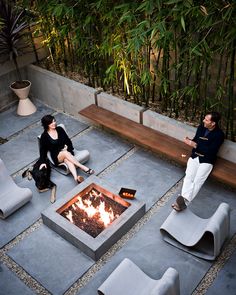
(177, 53)
(13, 33)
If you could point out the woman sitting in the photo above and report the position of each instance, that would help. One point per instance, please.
(56, 141)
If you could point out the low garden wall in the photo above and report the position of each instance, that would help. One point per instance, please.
(120, 106)
(69, 96)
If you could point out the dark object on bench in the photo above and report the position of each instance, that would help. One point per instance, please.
(156, 141)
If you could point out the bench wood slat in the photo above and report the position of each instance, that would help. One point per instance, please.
(156, 141)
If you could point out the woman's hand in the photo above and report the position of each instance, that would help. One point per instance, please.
(65, 147)
(42, 165)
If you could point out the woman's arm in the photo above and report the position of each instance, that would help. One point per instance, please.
(67, 140)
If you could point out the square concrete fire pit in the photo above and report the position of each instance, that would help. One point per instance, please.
(62, 217)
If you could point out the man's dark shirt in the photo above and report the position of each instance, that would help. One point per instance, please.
(207, 145)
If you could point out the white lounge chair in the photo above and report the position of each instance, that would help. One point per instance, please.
(129, 279)
(12, 197)
(200, 237)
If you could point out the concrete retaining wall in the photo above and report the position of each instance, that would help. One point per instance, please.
(59, 92)
(70, 96)
(119, 106)
(167, 125)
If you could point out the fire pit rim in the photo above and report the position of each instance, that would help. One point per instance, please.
(77, 236)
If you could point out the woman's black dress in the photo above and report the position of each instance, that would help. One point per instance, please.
(54, 146)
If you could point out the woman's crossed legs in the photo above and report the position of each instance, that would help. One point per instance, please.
(72, 163)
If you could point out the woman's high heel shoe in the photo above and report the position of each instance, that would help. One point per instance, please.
(80, 179)
(89, 171)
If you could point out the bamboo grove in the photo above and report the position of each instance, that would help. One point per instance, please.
(179, 54)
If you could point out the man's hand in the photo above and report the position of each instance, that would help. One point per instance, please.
(42, 165)
(189, 142)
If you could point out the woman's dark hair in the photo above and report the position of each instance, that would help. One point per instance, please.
(47, 120)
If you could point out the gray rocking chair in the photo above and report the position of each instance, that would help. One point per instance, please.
(12, 197)
(129, 279)
(200, 237)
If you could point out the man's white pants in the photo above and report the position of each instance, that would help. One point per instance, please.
(195, 175)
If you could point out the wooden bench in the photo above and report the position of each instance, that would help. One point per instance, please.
(224, 171)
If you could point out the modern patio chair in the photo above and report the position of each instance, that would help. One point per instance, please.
(81, 155)
(200, 237)
(12, 197)
(129, 279)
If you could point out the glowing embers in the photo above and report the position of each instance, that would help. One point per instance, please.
(93, 210)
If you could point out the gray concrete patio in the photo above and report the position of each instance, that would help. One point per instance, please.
(36, 260)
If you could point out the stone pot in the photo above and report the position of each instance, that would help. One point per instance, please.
(25, 106)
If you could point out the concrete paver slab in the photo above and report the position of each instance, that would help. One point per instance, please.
(149, 251)
(20, 151)
(104, 148)
(10, 284)
(51, 260)
(151, 176)
(225, 282)
(11, 123)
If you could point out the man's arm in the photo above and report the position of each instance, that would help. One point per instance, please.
(190, 142)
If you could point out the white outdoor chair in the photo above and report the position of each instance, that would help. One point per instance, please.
(12, 197)
(200, 237)
(129, 279)
(81, 155)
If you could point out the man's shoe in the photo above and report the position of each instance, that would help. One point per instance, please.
(179, 204)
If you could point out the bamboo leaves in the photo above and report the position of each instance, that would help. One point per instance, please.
(178, 54)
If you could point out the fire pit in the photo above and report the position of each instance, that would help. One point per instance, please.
(93, 209)
(92, 218)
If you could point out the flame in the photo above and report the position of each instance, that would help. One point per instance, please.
(99, 212)
(106, 217)
(69, 216)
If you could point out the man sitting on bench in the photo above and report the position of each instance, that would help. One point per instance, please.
(206, 143)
